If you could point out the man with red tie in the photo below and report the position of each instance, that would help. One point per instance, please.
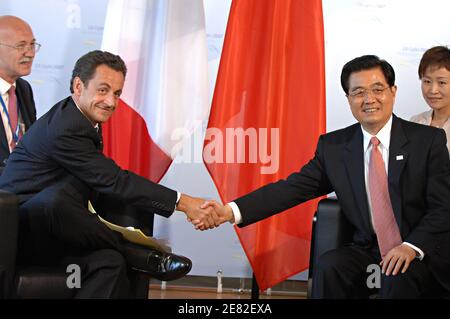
(17, 50)
(392, 180)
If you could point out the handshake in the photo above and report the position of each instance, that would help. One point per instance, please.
(204, 214)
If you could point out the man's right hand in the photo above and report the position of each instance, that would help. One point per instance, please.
(205, 216)
(222, 214)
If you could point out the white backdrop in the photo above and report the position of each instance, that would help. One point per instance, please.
(396, 30)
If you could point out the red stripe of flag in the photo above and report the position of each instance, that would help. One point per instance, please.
(127, 141)
(271, 75)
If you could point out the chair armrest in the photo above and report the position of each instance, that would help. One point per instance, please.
(330, 230)
(8, 240)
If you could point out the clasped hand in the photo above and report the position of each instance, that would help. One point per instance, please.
(204, 214)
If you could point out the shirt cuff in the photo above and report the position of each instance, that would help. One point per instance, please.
(417, 249)
(236, 212)
(178, 200)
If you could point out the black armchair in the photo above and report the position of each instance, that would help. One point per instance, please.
(45, 282)
(332, 230)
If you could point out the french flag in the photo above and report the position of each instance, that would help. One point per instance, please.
(163, 43)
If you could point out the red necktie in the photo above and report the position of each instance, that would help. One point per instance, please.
(13, 113)
(385, 225)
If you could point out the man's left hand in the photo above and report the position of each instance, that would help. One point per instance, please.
(397, 258)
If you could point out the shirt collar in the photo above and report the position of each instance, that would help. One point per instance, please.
(4, 86)
(384, 135)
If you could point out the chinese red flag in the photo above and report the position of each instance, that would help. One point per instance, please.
(267, 113)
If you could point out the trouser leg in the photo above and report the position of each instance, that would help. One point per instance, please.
(103, 274)
(342, 273)
(56, 220)
(416, 282)
(55, 227)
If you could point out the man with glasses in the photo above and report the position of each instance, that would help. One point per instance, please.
(391, 178)
(17, 49)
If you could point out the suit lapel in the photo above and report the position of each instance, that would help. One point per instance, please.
(354, 164)
(23, 104)
(100, 136)
(4, 147)
(85, 123)
(398, 156)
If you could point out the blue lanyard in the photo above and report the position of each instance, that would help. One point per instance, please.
(15, 135)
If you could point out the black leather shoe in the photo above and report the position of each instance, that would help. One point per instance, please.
(160, 265)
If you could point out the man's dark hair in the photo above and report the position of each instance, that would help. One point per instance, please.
(366, 62)
(436, 57)
(86, 65)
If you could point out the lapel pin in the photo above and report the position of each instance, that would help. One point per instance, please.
(399, 157)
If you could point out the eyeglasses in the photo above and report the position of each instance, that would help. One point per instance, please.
(375, 91)
(22, 48)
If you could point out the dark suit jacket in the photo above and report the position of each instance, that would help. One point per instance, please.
(27, 110)
(64, 143)
(419, 187)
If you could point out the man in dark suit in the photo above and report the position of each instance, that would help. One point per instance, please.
(17, 49)
(59, 165)
(391, 178)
